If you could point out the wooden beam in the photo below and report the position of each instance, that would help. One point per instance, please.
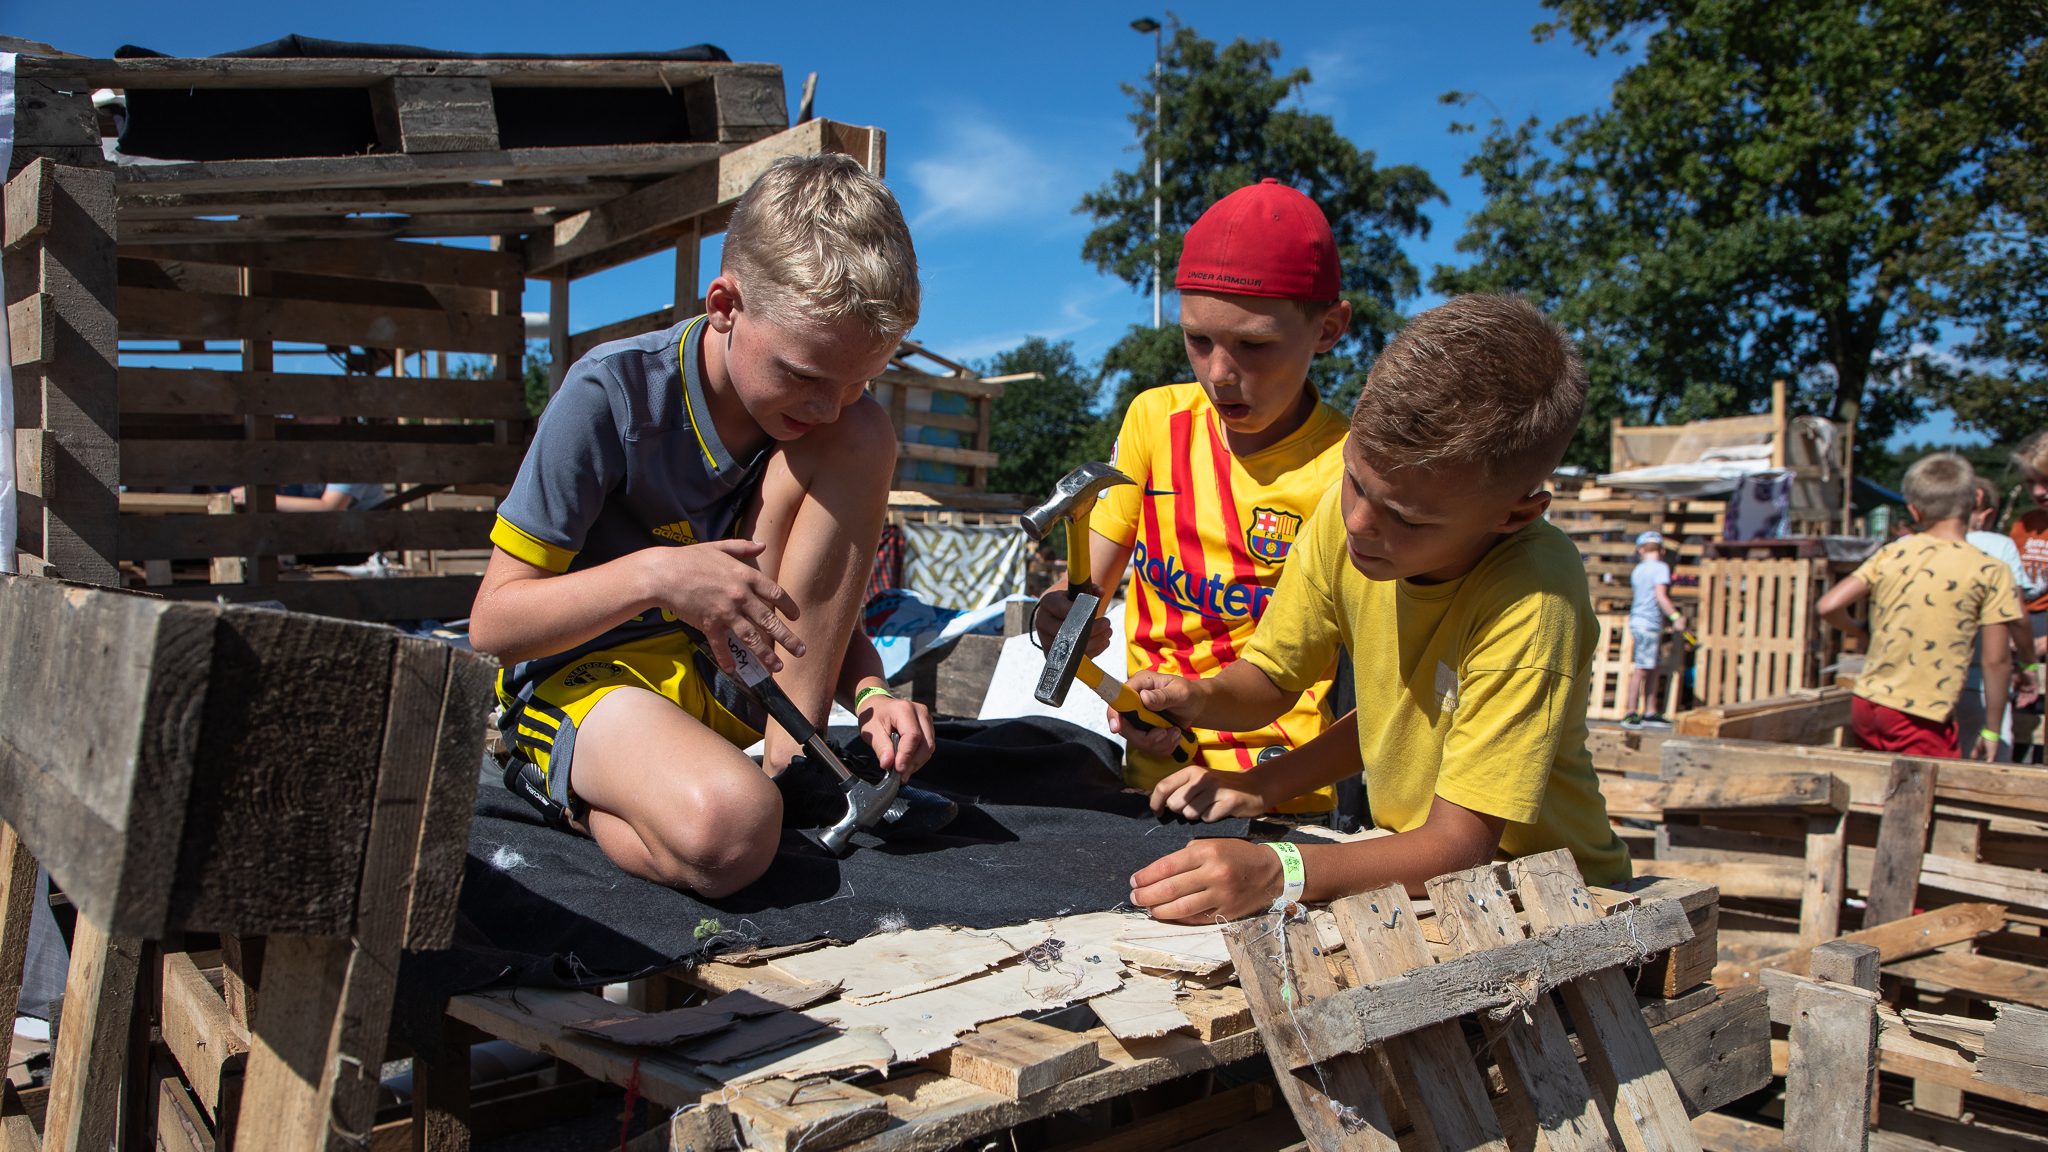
(148, 463)
(1901, 842)
(147, 312)
(1820, 894)
(426, 168)
(1831, 1075)
(90, 1062)
(1984, 977)
(443, 844)
(323, 72)
(1895, 941)
(295, 533)
(406, 598)
(431, 199)
(1812, 792)
(434, 114)
(438, 264)
(31, 199)
(581, 343)
(145, 234)
(908, 450)
(210, 1046)
(1792, 719)
(1018, 1058)
(208, 391)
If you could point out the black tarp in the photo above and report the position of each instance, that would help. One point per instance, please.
(1046, 828)
(280, 123)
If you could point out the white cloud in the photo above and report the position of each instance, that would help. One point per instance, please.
(982, 175)
(1077, 314)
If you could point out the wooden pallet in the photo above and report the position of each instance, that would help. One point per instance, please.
(1759, 636)
(1387, 1056)
(1614, 661)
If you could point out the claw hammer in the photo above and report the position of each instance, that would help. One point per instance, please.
(1067, 656)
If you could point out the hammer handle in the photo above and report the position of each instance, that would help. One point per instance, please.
(1077, 552)
(1119, 696)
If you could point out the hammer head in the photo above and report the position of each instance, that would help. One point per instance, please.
(1074, 497)
(866, 805)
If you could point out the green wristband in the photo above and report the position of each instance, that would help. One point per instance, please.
(1292, 875)
(1991, 734)
(861, 698)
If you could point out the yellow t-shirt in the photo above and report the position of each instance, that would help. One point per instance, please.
(1473, 689)
(1210, 534)
(1927, 599)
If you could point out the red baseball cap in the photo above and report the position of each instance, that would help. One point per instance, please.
(1264, 239)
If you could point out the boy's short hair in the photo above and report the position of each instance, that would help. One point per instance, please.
(2033, 451)
(818, 239)
(1942, 486)
(1988, 495)
(1486, 380)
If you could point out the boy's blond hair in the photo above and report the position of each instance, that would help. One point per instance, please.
(818, 239)
(2033, 452)
(1942, 487)
(1483, 380)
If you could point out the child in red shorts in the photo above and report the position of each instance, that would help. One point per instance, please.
(1931, 595)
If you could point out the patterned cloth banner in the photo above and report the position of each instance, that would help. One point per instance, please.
(964, 566)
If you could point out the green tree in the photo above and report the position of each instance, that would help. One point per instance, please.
(1040, 428)
(1222, 127)
(1776, 192)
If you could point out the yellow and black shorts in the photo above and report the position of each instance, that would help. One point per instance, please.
(541, 716)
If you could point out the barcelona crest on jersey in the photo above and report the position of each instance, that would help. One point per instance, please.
(1271, 534)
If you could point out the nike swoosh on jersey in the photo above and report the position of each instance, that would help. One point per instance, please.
(1162, 492)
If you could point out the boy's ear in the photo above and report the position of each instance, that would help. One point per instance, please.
(721, 300)
(1336, 322)
(1523, 512)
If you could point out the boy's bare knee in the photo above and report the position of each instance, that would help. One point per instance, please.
(725, 842)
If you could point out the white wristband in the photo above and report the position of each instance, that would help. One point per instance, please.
(1293, 877)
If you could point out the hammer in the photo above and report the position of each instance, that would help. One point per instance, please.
(1067, 656)
(866, 804)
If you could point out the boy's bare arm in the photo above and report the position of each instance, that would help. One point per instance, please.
(1997, 642)
(1834, 605)
(1236, 878)
(1241, 698)
(524, 612)
(1207, 794)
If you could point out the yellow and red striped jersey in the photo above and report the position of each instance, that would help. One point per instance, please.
(1209, 534)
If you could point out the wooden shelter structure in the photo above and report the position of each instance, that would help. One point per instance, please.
(237, 256)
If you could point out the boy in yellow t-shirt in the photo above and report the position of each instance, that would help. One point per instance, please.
(1227, 470)
(1468, 624)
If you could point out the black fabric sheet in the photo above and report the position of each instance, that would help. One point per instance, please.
(280, 123)
(1046, 828)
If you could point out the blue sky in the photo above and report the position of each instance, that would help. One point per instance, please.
(999, 118)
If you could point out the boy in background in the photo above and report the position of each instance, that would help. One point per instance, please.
(695, 487)
(1227, 469)
(1467, 621)
(1647, 615)
(1931, 595)
(2030, 535)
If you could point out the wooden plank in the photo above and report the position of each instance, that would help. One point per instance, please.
(18, 898)
(1820, 895)
(150, 463)
(152, 312)
(968, 386)
(1813, 792)
(1895, 941)
(1174, 1128)
(1832, 1072)
(1217, 1012)
(425, 168)
(2016, 1050)
(405, 598)
(581, 343)
(1984, 977)
(324, 72)
(1535, 1055)
(907, 450)
(1719, 1132)
(1432, 1066)
(438, 264)
(1377, 1010)
(1720, 1053)
(288, 1088)
(142, 236)
(451, 799)
(1621, 1058)
(1791, 719)
(440, 1091)
(1901, 841)
(556, 195)
(1021, 1057)
(30, 202)
(210, 1047)
(89, 1065)
(73, 270)
(586, 242)
(1334, 1098)
(1686, 965)
(1758, 881)
(208, 391)
(294, 533)
(179, 1126)
(101, 789)
(435, 114)
(781, 1116)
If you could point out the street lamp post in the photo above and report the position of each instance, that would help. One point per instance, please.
(1144, 25)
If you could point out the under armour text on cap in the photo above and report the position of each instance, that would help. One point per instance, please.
(1265, 239)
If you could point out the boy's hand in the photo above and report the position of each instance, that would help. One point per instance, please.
(1052, 612)
(1208, 795)
(1209, 879)
(712, 588)
(900, 731)
(1170, 696)
(1983, 749)
(1151, 741)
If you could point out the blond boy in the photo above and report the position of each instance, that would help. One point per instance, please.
(728, 475)
(1468, 625)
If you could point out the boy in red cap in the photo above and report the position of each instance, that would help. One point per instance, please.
(1228, 468)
